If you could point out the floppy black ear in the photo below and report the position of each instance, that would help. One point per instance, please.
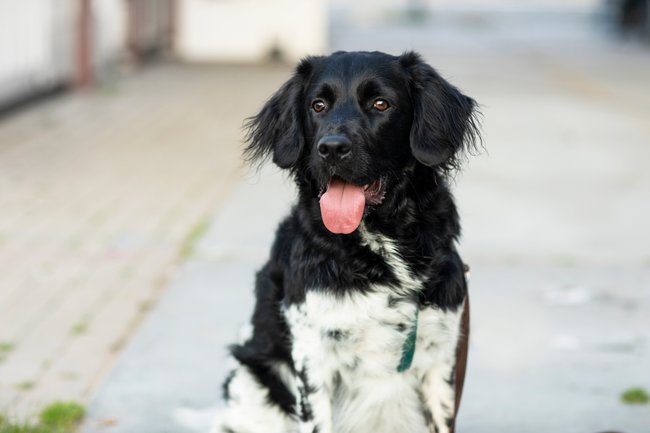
(278, 128)
(445, 121)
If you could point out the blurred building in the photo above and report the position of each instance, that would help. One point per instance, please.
(250, 30)
(632, 16)
(47, 45)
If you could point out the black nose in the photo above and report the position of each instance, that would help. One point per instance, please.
(334, 147)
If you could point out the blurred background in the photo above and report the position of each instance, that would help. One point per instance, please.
(130, 230)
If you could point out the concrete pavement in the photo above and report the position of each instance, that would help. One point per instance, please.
(101, 194)
(169, 378)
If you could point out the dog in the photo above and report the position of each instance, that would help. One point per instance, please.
(361, 319)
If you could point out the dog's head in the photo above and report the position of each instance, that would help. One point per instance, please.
(352, 124)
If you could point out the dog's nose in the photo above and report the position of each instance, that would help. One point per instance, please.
(334, 147)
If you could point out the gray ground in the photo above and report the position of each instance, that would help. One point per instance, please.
(100, 191)
(555, 218)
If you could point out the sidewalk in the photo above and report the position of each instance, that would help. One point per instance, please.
(169, 378)
(102, 195)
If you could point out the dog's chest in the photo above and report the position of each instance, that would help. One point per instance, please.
(365, 332)
(352, 346)
(357, 332)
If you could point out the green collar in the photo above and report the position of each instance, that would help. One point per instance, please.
(408, 348)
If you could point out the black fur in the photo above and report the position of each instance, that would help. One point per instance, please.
(413, 146)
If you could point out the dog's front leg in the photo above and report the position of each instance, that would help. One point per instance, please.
(314, 407)
(443, 383)
(313, 404)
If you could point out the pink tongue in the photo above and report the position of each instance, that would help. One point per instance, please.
(342, 206)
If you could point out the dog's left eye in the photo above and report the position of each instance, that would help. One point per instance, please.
(318, 105)
(380, 104)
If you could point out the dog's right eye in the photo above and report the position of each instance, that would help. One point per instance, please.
(380, 104)
(318, 105)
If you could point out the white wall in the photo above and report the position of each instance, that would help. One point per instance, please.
(110, 26)
(33, 45)
(247, 30)
(38, 42)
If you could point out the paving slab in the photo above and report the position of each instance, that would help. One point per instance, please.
(553, 348)
(100, 191)
(169, 378)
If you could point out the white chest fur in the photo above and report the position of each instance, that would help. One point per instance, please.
(348, 348)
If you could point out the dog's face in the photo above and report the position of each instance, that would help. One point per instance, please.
(358, 117)
(350, 125)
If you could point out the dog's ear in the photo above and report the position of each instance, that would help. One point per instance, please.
(278, 128)
(445, 123)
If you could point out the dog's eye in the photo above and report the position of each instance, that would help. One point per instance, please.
(380, 104)
(318, 105)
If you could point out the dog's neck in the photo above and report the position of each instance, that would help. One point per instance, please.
(417, 223)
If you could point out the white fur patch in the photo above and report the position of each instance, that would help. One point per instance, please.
(435, 359)
(248, 409)
(351, 347)
(387, 248)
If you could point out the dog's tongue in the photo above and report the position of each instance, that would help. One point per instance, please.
(341, 206)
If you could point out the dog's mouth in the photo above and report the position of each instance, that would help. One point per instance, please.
(342, 203)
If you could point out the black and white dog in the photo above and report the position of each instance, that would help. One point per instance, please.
(361, 321)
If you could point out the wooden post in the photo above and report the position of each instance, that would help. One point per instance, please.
(84, 67)
(132, 27)
(171, 25)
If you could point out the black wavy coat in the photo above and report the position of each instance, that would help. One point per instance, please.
(413, 147)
